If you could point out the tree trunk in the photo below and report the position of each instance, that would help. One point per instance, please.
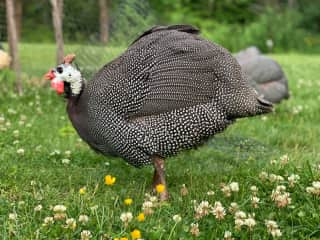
(18, 16)
(104, 21)
(57, 12)
(13, 44)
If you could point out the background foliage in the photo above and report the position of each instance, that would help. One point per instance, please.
(234, 24)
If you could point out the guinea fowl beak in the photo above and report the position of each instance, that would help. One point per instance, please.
(49, 75)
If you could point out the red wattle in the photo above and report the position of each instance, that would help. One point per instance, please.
(58, 86)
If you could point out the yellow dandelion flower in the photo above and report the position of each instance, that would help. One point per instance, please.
(128, 201)
(160, 188)
(123, 238)
(141, 217)
(82, 190)
(109, 180)
(135, 234)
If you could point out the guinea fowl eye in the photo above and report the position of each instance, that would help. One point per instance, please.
(60, 70)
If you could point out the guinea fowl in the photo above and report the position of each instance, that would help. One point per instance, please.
(170, 90)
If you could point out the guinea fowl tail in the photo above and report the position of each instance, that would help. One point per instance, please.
(263, 106)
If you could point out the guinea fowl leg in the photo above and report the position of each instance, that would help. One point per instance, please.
(159, 177)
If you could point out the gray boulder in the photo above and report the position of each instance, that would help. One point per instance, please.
(264, 74)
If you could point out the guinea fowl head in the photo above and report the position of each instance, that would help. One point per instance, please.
(66, 78)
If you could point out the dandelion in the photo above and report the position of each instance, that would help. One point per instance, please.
(255, 201)
(20, 151)
(160, 188)
(227, 235)
(194, 229)
(128, 201)
(272, 228)
(71, 223)
(38, 208)
(13, 216)
(184, 190)
(85, 235)
(218, 211)
(83, 219)
(234, 186)
(109, 180)
(292, 179)
(126, 218)
(82, 190)
(177, 218)
(48, 221)
(141, 217)
(135, 234)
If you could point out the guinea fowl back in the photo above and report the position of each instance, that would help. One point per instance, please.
(169, 91)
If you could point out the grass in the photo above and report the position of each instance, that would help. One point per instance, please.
(37, 123)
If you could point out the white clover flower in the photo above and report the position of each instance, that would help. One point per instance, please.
(83, 219)
(280, 197)
(194, 229)
(292, 179)
(240, 215)
(67, 153)
(59, 208)
(284, 159)
(218, 211)
(15, 142)
(263, 175)
(234, 186)
(126, 217)
(315, 189)
(177, 218)
(210, 193)
(38, 208)
(226, 190)
(94, 208)
(16, 133)
(254, 189)
(71, 223)
(250, 222)
(272, 228)
(48, 221)
(202, 209)
(227, 235)
(2, 120)
(13, 216)
(85, 235)
(65, 161)
(20, 151)
(147, 207)
(255, 201)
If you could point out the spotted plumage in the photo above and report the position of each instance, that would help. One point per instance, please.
(171, 90)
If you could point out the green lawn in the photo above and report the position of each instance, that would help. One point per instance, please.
(40, 174)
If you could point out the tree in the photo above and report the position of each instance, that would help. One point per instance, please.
(104, 21)
(57, 14)
(18, 16)
(13, 44)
